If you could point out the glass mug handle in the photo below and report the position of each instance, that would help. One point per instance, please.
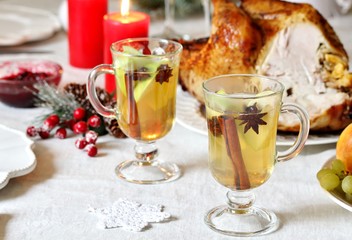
(296, 148)
(92, 94)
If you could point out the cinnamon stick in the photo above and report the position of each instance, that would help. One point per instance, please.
(133, 120)
(233, 147)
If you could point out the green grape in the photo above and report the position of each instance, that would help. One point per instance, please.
(347, 184)
(329, 181)
(324, 171)
(339, 167)
(349, 197)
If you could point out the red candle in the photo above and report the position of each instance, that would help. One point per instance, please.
(117, 27)
(85, 32)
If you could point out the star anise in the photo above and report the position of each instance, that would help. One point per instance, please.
(164, 73)
(214, 126)
(252, 117)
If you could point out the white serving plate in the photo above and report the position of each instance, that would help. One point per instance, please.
(20, 24)
(16, 155)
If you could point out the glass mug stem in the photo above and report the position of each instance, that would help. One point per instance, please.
(240, 201)
(146, 151)
(298, 145)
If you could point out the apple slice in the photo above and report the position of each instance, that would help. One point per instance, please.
(266, 132)
(131, 50)
(143, 85)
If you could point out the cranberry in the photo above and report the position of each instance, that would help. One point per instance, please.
(91, 137)
(91, 149)
(51, 122)
(70, 123)
(80, 143)
(79, 113)
(31, 131)
(80, 127)
(94, 121)
(61, 133)
(43, 133)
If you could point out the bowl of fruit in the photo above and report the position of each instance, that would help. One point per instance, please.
(336, 174)
(18, 79)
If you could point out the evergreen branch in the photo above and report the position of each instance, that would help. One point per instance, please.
(61, 103)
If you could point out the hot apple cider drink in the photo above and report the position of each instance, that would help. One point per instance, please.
(242, 139)
(146, 89)
(242, 114)
(146, 74)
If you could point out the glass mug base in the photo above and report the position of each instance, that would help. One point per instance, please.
(144, 172)
(252, 222)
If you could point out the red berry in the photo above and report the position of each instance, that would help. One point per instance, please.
(80, 127)
(79, 113)
(61, 133)
(51, 122)
(70, 123)
(91, 137)
(43, 133)
(81, 143)
(31, 131)
(94, 121)
(91, 149)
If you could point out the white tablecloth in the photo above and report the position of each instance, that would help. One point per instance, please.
(52, 201)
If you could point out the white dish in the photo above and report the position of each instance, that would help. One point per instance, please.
(16, 155)
(336, 196)
(21, 24)
(189, 116)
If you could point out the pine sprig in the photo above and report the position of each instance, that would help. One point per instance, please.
(61, 103)
(64, 103)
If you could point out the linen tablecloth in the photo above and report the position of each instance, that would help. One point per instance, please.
(52, 201)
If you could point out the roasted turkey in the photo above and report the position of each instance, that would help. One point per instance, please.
(289, 41)
(233, 46)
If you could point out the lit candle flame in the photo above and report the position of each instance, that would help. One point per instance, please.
(125, 6)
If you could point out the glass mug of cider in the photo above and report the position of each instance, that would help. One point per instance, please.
(146, 74)
(242, 114)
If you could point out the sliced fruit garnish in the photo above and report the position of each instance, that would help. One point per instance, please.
(156, 70)
(131, 50)
(141, 87)
(266, 104)
(120, 80)
(258, 141)
(221, 92)
(141, 46)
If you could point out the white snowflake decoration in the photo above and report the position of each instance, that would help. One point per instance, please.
(129, 215)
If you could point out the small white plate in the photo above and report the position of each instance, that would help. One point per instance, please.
(16, 155)
(21, 24)
(189, 116)
(336, 196)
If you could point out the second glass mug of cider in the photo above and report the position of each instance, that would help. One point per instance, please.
(242, 114)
